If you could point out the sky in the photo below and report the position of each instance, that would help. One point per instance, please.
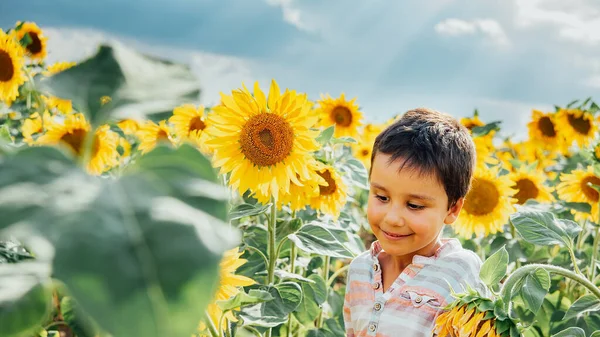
(502, 57)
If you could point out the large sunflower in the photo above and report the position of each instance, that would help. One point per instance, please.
(576, 125)
(530, 185)
(150, 134)
(11, 68)
(332, 195)
(573, 187)
(229, 284)
(487, 204)
(189, 123)
(543, 131)
(72, 134)
(342, 113)
(264, 143)
(37, 48)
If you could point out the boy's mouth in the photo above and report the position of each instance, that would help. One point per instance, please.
(393, 236)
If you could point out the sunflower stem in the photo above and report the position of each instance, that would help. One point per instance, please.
(507, 289)
(572, 253)
(592, 271)
(336, 274)
(325, 277)
(581, 235)
(211, 326)
(272, 248)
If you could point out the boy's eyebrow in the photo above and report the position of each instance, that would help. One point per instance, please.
(411, 195)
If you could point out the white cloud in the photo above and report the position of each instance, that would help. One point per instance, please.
(576, 20)
(291, 14)
(216, 73)
(488, 28)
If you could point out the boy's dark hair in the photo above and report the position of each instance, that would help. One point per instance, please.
(431, 142)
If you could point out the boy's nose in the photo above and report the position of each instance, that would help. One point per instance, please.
(394, 217)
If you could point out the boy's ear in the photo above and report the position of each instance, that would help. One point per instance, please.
(454, 211)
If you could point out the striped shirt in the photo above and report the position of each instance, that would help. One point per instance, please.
(409, 307)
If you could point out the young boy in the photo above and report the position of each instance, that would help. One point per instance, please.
(421, 170)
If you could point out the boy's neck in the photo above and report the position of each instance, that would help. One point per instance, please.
(399, 263)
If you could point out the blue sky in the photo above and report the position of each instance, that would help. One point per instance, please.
(503, 57)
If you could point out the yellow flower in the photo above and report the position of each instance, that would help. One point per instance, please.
(129, 126)
(344, 114)
(576, 125)
(62, 105)
(332, 195)
(543, 131)
(573, 187)
(73, 132)
(530, 185)
(33, 126)
(105, 100)
(37, 48)
(124, 149)
(189, 123)
(264, 143)
(463, 322)
(471, 122)
(487, 204)
(363, 148)
(229, 284)
(11, 68)
(57, 68)
(150, 134)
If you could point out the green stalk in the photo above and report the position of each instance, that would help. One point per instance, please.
(592, 271)
(272, 250)
(581, 235)
(293, 255)
(211, 326)
(574, 261)
(325, 277)
(514, 278)
(336, 274)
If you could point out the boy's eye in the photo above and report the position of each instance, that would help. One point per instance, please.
(415, 207)
(381, 198)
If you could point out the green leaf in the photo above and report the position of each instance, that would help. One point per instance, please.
(343, 140)
(320, 333)
(583, 304)
(287, 297)
(543, 277)
(333, 326)
(285, 275)
(78, 321)
(140, 87)
(318, 240)
(139, 253)
(583, 207)
(5, 134)
(595, 333)
(571, 332)
(572, 103)
(479, 131)
(241, 299)
(543, 228)
(25, 298)
(358, 173)
(494, 268)
(593, 108)
(285, 228)
(325, 135)
(244, 210)
(533, 293)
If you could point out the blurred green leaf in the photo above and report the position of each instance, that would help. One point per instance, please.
(140, 87)
(244, 210)
(325, 136)
(343, 140)
(494, 268)
(358, 173)
(241, 299)
(25, 298)
(318, 240)
(78, 321)
(480, 131)
(287, 297)
(139, 253)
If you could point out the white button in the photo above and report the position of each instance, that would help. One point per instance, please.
(418, 299)
(377, 306)
(376, 286)
(376, 267)
(372, 327)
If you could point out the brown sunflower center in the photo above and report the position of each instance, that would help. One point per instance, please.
(266, 139)
(589, 192)
(365, 152)
(482, 198)
(36, 44)
(7, 70)
(580, 124)
(546, 127)
(75, 139)
(341, 115)
(196, 124)
(330, 189)
(526, 190)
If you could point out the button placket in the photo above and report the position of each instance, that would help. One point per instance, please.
(372, 327)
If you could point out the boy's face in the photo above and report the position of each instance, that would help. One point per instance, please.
(406, 210)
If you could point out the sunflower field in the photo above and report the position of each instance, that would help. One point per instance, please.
(126, 209)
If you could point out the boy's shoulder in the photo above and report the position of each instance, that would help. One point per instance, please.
(364, 259)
